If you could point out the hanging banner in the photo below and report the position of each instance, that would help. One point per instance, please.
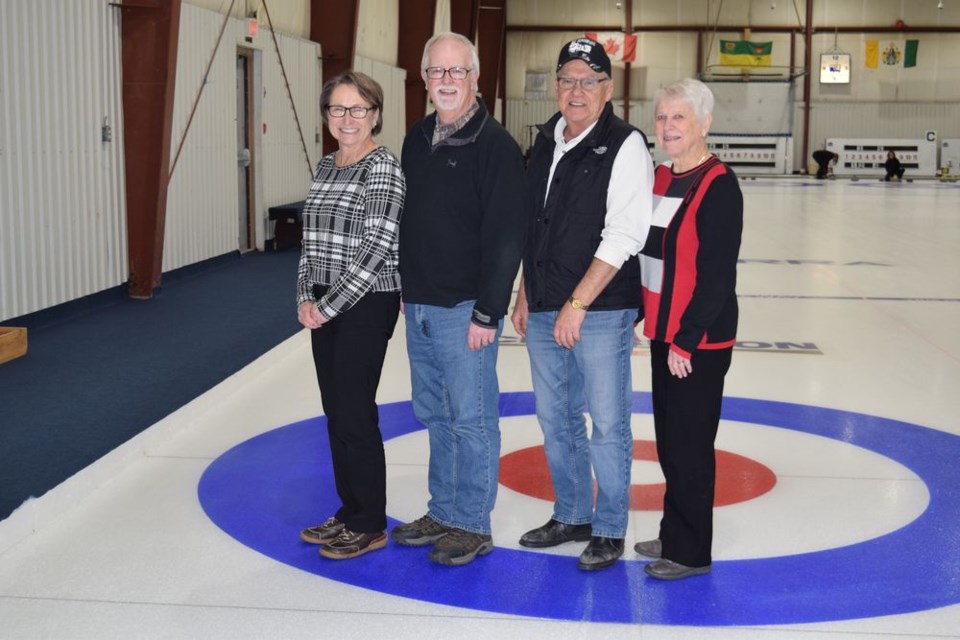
(742, 53)
(890, 54)
(621, 47)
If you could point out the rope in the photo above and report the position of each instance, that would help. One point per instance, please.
(283, 70)
(203, 84)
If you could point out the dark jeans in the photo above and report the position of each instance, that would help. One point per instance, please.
(348, 352)
(686, 415)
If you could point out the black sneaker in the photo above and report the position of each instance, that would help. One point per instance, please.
(460, 547)
(322, 533)
(350, 544)
(420, 532)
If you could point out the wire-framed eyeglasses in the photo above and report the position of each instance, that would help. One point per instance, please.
(338, 111)
(587, 84)
(456, 73)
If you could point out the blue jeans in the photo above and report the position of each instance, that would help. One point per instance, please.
(595, 376)
(457, 397)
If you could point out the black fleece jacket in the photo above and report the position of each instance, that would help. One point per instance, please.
(463, 226)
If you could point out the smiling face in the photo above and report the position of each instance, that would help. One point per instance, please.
(451, 97)
(679, 133)
(351, 132)
(581, 108)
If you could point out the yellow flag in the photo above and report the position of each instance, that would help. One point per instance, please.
(872, 54)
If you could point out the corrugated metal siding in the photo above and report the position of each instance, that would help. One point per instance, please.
(392, 80)
(62, 207)
(202, 202)
(286, 172)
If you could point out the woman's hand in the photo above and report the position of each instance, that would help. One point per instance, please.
(309, 316)
(678, 365)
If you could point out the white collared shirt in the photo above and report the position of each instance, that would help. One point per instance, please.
(629, 195)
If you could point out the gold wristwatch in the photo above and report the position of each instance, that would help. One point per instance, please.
(577, 303)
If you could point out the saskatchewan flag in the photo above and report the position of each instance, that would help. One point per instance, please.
(742, 53)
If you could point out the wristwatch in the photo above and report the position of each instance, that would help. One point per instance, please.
(577, 303)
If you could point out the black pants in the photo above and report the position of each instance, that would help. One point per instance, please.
(896, 172)
(686, 415)
(348, 353)
(822, 159)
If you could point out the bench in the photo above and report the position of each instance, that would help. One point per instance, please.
(288, 230)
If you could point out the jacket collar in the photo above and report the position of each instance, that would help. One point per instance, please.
(593, 138)
(465, 135)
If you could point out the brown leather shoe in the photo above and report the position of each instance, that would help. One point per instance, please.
(350, 544)
(322, 533)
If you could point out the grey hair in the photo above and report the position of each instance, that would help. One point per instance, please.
(693, 92)
(456, 37)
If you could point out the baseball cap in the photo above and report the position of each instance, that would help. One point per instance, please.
(590, 51)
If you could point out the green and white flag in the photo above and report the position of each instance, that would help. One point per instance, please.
(891, 53)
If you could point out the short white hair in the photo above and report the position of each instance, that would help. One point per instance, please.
(693, 92)
(456, 37)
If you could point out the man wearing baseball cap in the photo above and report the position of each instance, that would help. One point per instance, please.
(589, 203)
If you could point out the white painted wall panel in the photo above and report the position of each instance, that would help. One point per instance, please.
(62, 207)
(202, 202)
(392, 80)
(287, 170)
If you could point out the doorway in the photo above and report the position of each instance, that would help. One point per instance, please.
(246, 156)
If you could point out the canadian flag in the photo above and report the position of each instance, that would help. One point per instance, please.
(621, 47)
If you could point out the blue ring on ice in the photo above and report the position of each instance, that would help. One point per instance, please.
(264, 490)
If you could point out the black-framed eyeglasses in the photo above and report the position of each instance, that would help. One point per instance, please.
(457, 73)
(338, 111)
(587, 84)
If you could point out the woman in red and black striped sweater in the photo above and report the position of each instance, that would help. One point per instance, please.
(689, 273)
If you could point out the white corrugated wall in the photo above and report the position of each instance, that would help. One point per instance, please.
(202, 201)
(62, 201)
(393, 81)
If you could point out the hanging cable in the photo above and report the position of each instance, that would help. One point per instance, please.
(196, 101)
(296, 118)
(713, 34)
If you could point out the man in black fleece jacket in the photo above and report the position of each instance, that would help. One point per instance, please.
(461, 238)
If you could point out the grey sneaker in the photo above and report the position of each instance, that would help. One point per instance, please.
(649, 548)
(322, 533)
(460, 547)
(664, 569)
(420, 532)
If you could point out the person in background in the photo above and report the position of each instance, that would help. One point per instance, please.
(460, 244)
(589, 204)
(689, 267)
(893, 167)
(348, 295)
(824, 160)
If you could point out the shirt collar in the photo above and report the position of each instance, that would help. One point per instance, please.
(444, 131)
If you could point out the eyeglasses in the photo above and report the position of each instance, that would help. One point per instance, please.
(456, 73)
(587, 84)
(338, 111)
